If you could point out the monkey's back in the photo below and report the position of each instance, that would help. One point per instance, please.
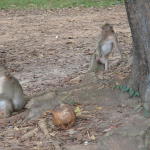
(10, 88)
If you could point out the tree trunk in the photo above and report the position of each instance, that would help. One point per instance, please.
(138, 12)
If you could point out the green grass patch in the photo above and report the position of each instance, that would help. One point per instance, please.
(47, 4)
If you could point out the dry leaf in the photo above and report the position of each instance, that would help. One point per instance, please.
(99, 108)
(93, 138)
(78, 111)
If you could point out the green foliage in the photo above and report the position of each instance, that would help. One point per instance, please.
(130, 91)
(5, 4)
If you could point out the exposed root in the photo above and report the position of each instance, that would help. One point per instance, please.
(43, 126)
(29, 134)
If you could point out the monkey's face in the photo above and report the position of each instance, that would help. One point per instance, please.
(107, 28)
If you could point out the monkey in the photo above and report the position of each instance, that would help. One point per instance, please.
(108, 44)
(6, 106)
(11, 93)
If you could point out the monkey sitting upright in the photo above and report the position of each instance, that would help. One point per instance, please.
(107, 45)
(11, 93)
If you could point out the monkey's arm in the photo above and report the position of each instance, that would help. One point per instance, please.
(98, 50)
(116, 46)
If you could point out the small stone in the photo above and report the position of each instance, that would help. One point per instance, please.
(86, 143)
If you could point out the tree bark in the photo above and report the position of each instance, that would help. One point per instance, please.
(138, 12)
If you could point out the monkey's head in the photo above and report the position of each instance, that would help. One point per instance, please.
(107, 28)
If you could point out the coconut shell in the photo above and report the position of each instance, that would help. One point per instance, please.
(63, 116)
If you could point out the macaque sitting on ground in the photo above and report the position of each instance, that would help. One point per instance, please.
(107, 45)
(11, 94)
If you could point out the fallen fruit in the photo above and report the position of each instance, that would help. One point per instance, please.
(63, 116)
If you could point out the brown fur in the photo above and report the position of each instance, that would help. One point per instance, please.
(11, 94)
(107, 45)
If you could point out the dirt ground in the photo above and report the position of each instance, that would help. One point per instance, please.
(45, 47)
(44, 50)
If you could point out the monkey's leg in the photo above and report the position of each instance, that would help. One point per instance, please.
(6, 107)
(106, 65)
(18, 100)
(104, 61)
